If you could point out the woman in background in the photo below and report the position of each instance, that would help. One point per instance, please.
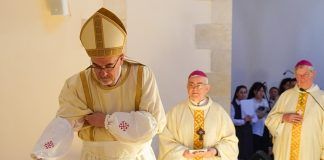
(284, 85)
(242, 124)
(261, 138)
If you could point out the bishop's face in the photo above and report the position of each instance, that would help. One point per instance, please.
(107, 68)
(197, 88)
(305, 76)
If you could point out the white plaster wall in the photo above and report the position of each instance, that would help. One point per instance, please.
(38, 52)
(269, 37)
(162, 35)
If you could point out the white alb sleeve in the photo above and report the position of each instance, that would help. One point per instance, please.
(55, 140)
(134, 127)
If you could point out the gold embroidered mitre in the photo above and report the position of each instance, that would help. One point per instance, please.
(103, 34)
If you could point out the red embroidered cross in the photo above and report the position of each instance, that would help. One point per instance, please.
(49, 144)
(123, 125)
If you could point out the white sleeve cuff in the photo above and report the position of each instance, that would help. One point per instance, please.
(108, 120)
(131, 127)
(55, 140)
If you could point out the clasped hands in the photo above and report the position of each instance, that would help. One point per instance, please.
(96, 119)
(211, 152)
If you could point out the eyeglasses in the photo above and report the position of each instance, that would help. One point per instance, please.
(198, 85)
(106, 68)
(306, 75)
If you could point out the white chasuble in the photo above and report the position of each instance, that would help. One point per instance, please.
(180, 132)
(118, 141)
(303, 141)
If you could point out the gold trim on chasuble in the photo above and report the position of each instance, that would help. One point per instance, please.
(89, 130)
(139, 87)
(296, 129)
(87, 133)
(198, 126)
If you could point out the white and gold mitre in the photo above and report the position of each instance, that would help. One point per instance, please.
(103, 34)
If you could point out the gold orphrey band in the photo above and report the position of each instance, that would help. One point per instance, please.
(296, 129)
(198, 124)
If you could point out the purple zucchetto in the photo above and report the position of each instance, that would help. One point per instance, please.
(304, 63)
(197, 73)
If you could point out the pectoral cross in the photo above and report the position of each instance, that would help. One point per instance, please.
(201, 134)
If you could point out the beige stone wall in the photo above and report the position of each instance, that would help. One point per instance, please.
(217, 36)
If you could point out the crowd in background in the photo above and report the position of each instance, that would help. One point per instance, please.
(254, 137)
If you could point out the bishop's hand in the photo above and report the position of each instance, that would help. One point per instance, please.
(188, 154)
(96, 119)
(211, 152)
(292, 118)
(34, 157)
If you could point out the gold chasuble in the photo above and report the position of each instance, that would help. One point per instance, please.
(296, 129)
(198, 130)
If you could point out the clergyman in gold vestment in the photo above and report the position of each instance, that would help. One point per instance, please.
(198, 128)
(297, 120)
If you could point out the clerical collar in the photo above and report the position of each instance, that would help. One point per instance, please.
(308, 89)
(201, 103)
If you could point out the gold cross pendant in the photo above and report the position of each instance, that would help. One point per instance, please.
(201, 134)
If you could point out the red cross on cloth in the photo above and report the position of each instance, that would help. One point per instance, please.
(123, 125)
(49, 144)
